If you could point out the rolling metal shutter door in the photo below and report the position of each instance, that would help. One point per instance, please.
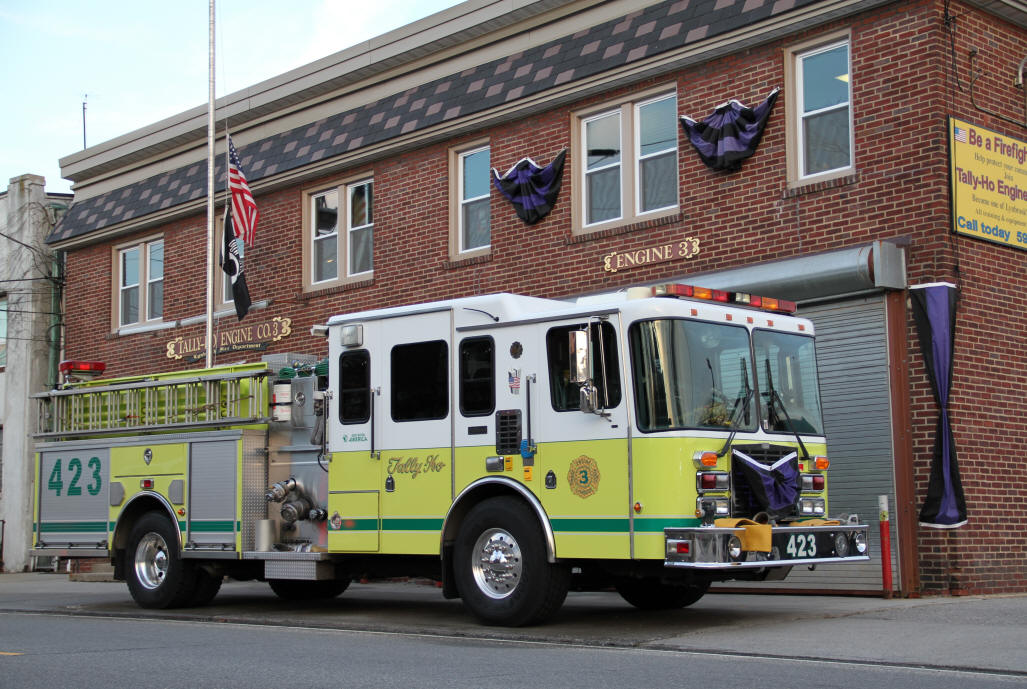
(852, 355)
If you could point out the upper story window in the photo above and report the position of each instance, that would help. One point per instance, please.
(339, 244)
(475, 212)
(629, 166)
(140, 294)
(472, 222)
(820, 111)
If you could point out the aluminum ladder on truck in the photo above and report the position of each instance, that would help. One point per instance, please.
(155, 404)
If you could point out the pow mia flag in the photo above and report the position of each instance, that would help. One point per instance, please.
(231, 263)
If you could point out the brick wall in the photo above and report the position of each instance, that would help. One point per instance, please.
(903, 89)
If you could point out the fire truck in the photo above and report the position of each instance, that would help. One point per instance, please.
(509, 447)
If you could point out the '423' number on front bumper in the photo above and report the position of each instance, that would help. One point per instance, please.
(802, 545)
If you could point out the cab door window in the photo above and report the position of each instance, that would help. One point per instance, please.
(565, 394)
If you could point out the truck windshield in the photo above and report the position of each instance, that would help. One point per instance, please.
(691, 374)
(786, 367)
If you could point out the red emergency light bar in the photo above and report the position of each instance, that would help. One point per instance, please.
(82, 370)
(674, 289)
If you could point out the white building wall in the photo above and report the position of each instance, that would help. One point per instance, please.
(27, 215)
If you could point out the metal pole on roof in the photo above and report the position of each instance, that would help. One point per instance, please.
(210, 195)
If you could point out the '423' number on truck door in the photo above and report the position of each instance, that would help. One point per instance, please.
(56, 482)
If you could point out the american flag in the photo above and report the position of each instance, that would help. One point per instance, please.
(514, 379)
(961, 135)
(244, 208)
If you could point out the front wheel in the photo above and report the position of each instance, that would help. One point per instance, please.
(501, 568)
(652, 594)
(158, 577)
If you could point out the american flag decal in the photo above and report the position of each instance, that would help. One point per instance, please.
(513, 378)
(960, 135)
(244, 208)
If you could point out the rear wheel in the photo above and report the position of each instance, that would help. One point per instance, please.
(501, 568)
(294, 589)
(207, 587)
(158, 577)
(652, 594)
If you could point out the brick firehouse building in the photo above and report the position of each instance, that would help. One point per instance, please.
(371, 172)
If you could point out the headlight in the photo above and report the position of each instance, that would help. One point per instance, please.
(734, 547)
(813, 507)
(841, 544)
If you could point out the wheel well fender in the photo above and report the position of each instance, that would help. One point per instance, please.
(490, 487)
(135, 508)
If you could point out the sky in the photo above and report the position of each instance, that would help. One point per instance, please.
(134, 63)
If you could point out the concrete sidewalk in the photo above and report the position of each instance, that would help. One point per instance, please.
(976, 632)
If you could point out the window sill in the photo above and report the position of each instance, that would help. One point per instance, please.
(473, 260)
(583, 235)
(336, 288)
(222, 311)
(146, 328)
(829, 181)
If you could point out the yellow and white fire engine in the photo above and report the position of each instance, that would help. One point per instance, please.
(510, 447)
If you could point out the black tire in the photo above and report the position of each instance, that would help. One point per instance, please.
(294, 589)
(207, 587)
(500, 565)
(652, 594)
(156, 574)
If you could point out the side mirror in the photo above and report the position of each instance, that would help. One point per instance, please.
(579, 347)
(588, 397)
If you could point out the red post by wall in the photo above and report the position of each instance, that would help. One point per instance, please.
(886, 581)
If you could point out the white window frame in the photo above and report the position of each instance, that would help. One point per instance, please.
(462, 156)
(796, 144)
(619, 164)
(143, 286)
(630, 161)
(351, 229)
(325, 238)
(640, 158)
(342, 236)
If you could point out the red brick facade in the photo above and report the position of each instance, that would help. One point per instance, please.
(904, 88)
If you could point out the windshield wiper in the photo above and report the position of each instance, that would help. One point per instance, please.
(741, 403)
(774, 397)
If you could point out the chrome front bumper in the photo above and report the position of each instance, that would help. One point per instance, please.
(713, 547)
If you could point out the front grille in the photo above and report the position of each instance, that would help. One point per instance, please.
(743, 502)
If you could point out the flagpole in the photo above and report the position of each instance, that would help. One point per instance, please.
(210, 194)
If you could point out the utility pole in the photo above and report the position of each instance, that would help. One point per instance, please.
(84, 97)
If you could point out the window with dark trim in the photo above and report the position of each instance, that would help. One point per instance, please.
(477, 376)
(565, 395)
(420, 381)
(355, 386)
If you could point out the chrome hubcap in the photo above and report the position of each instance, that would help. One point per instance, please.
(496, 563)
(151, 560)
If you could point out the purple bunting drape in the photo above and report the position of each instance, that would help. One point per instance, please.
(934, 311)
(731, 134)
(532, 190)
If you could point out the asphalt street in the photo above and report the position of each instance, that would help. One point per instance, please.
(986, 633)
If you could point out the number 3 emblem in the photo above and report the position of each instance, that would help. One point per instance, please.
(583, 476)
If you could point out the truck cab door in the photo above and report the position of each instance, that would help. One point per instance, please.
(584, 454)
(416, 366)
(353, 485)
